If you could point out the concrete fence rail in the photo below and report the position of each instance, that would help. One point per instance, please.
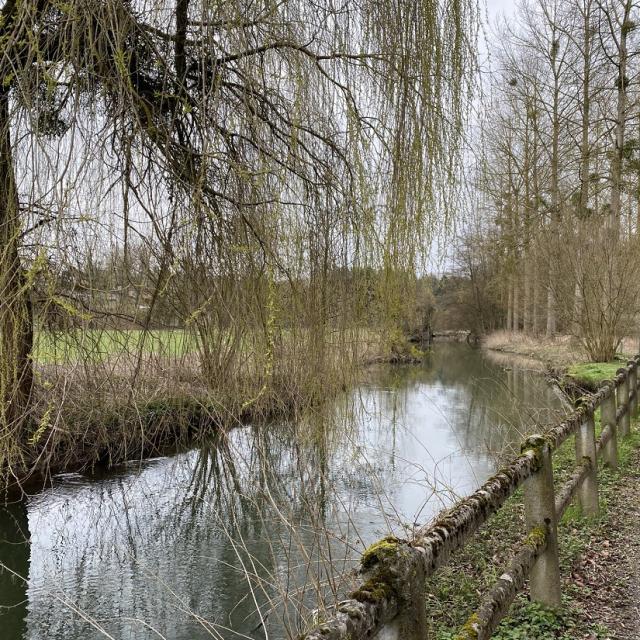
(390, 603)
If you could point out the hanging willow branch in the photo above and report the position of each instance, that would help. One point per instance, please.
(253, 144)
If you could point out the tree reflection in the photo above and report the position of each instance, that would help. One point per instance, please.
(14, 569)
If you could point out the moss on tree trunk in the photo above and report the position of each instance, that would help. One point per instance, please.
(16, 318)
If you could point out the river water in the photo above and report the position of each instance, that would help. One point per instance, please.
(239, 538)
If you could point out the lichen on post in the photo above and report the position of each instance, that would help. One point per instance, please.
(586, 448)
(390, 600)
(395, 570)
(633, 388)
(623, 403)
(608, 418)
(540, 512)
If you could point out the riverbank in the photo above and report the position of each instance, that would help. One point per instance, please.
(117, 396)
(96, 421)
(554, 353)
(561, 357)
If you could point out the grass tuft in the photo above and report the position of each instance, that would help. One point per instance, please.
(593, 373)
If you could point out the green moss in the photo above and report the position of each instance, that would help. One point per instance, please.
(536, 537)
(374, 590)
(380, 584)
(379, 551)
(536, 444)
(468, 631)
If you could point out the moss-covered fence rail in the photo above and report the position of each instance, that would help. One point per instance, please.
(391, 600)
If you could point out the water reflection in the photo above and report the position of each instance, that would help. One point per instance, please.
(14, 569)
(238, 538)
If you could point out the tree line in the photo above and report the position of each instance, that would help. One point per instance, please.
(552, 239)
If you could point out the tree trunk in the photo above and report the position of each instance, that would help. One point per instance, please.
(535, 177)
(616, 161)
(14, 569)
(586, 105)
(16, 321)
(535, 323)
(577, 310)
(555, 190)
(526, 303)
(526, 253)
(516, 303)
(638, 191)
(585, 164)
(551, 309)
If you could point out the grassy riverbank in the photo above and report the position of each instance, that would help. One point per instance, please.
(98, 345)
(591, 374)
(562, 356)
(454, 593)
(101, 397)
(554, 353)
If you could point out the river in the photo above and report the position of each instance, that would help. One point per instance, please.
(237, 539)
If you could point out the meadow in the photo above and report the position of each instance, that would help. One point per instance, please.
(96, 345)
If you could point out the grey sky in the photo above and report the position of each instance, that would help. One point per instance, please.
(496, 8)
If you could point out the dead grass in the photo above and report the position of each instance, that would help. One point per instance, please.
(555, 353)
(129, 404)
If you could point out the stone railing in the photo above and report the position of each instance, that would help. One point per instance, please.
(391, 600)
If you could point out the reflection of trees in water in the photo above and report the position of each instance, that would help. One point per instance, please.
(509, 407)
(252, 526)
(291, 504)
(249, 509)
(487, 405)
(14, 569)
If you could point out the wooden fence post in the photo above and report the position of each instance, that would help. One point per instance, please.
(608, 417)
(633, 388)
(623, 401)
(586, 448)
(540, 514)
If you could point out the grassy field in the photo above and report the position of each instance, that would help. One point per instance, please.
(95, 345)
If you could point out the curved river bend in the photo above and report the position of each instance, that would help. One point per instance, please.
(238, 538)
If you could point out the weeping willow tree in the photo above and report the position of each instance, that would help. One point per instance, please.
(262, 157)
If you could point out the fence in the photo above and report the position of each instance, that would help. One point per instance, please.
(391, 600)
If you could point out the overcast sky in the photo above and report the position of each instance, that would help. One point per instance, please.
(492, 11)
(497, 7)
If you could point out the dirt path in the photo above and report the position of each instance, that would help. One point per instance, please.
(608, 573)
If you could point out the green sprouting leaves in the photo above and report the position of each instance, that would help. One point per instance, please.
(43, 425)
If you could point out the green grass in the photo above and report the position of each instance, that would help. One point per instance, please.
(593, 373)
(95, 345)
